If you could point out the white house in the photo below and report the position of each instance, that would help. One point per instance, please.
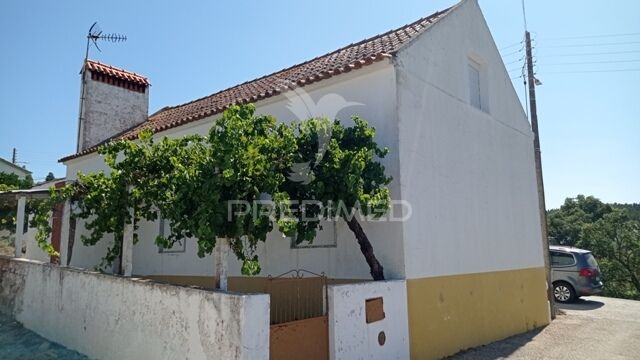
(10, 168)
(461, 154)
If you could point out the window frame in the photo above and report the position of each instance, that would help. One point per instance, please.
(321, 246)
(182, 242)
(474, 84)
(474, 61)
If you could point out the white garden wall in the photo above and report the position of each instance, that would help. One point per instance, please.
(351, 337)
(108, 317)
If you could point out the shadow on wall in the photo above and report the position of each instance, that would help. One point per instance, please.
(502, 349)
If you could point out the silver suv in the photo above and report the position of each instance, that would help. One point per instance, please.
(574, 273)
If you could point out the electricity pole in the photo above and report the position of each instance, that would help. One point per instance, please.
(538, 162)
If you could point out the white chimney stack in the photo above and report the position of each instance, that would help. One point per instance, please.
(112, 100)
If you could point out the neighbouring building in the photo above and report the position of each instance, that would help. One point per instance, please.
(469, 253)
(10, 168)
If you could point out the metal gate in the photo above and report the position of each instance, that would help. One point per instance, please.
(299, 327)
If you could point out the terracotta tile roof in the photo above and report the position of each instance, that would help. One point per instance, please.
(97, 67)
(343, 60)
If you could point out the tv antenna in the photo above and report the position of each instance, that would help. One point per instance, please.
(95, 34)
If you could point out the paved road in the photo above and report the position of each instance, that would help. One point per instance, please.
(16, 342)
(593, 328)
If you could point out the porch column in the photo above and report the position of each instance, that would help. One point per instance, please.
(127, 242)
(22, 202)
(127, 247)
(221, 253)
(64, 234)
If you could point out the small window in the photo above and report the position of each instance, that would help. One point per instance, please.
(475, 93)
(178, 246)
(562, 259)
(326, 237)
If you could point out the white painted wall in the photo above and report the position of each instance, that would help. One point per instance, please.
(469, 174)
(147, 259)
(350, 337)
(9, 168)
(374, 87)
(108, 317)
(34, 252)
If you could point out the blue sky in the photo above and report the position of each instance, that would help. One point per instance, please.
(589, 115)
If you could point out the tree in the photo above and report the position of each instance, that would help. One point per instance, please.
(222, 193)
(566, 223)
(230, 185)
(10, 181)
(615, 241)
(610, 231)
(632, 210)
(50, 177)
(105, 200)
(193, 182)
(342, 179)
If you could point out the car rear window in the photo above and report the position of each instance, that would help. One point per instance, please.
(591, 260)
(561, 259)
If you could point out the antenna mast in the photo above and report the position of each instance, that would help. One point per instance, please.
(94, 35)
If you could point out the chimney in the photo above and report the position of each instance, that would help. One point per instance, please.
(112, 100)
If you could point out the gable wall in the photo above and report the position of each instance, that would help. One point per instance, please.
(473, 250)
(469, 173)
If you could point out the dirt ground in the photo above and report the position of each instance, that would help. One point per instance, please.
(592, 328)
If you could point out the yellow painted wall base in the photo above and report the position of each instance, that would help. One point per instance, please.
(448, 314)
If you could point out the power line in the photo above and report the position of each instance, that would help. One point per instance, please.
(524, 16)
(596, 53)
(590, 36)
(514, 61)
(593, 62)
(512, 45)
(592, 71)
(601, 44)
(515, 52)
(581, 72)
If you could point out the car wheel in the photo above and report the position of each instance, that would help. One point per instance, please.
(563, 292)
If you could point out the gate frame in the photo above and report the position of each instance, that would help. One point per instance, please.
(299, 320)
(299, 275)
